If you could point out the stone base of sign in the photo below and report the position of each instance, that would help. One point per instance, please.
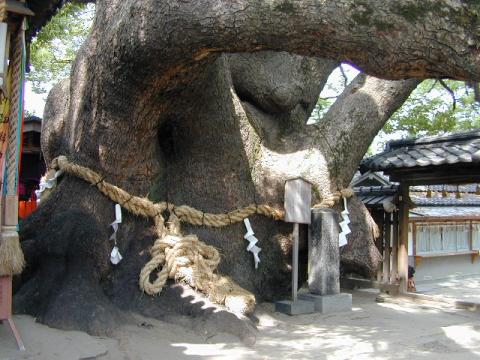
(327, 304)
(298, 307)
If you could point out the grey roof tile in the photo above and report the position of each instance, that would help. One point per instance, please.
(466, 188)
(471, 200)
(476, 156)
(445, 211)
(451, 149)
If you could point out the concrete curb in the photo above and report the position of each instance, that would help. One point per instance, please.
(430, 299)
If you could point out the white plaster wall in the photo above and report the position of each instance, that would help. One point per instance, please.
(445, 266)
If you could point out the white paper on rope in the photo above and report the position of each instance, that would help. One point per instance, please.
(252, 247)
(47, 184)
(115, 256)
(342, 237)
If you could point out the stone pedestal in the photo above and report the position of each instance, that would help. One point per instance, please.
(327, 304)
(324, 264)
(323, 253)
(295, 307)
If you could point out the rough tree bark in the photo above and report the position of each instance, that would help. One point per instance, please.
(163, 111)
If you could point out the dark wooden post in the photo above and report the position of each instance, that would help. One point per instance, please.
(386, 248)
(381, 243)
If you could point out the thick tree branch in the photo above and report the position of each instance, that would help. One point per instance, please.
(389, 39)
(356, 117)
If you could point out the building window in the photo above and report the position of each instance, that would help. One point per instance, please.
(448, 237)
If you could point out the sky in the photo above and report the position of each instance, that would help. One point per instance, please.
(34, 103)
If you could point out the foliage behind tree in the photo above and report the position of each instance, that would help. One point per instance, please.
(434, 109)
(55, 47)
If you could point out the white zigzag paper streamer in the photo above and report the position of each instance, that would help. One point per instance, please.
(252, 247)
(47, 184)
(115, 256)
(342, 237)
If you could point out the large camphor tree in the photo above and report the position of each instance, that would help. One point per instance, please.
(205, 103)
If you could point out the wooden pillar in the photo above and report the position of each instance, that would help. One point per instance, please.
(6, 308)
(380, 243)
(386, 248)
(403, 238)
(394, 272)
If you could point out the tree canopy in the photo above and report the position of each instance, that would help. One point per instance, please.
(435, 107)
(54, 48)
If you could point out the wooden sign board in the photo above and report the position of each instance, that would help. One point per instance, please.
(298, 200)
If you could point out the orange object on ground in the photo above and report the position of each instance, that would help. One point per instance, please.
(21, 209)
(25, 208)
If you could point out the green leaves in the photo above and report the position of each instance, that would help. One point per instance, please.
(53, 50)
(429, 110)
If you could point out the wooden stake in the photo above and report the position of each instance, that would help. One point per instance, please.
(6, 308)
(295, 262)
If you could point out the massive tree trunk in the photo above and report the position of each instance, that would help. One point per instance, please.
(161, 112)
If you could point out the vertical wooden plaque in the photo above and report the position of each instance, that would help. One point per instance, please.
(298, 201)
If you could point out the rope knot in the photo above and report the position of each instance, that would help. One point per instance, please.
(347, 193)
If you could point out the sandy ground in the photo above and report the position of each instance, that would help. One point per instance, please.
(455, 288)
(371, 331)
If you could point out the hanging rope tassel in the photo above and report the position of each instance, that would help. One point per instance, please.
(188, 260)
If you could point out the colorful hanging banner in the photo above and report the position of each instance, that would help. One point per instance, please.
(4, 126)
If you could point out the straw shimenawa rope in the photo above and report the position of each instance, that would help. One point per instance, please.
(331, 200)
(183, 258)
(174, 256)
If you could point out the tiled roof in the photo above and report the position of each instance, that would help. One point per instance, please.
(33, 118)
(438, 150)
(466, 188)
(465, 200)
(445, 211)
(370, 178)
(376, 195)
